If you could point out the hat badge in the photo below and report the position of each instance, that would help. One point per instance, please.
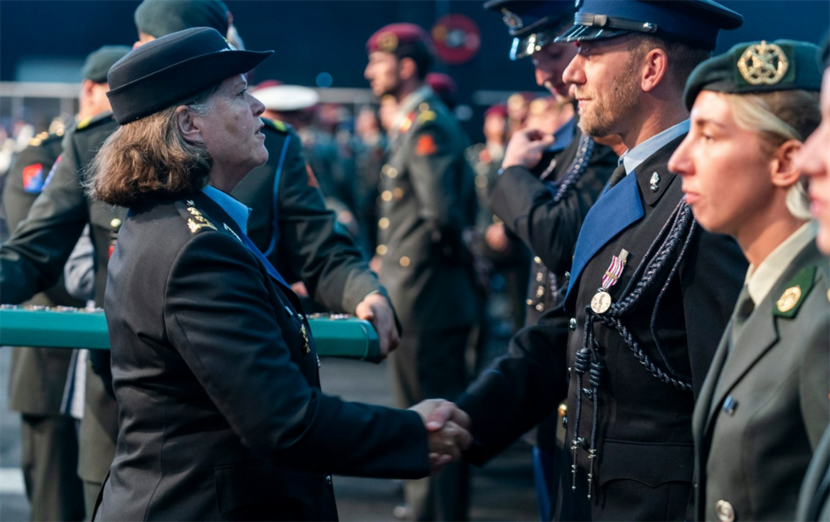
(763, 64)
(512, 20)
(387, 42)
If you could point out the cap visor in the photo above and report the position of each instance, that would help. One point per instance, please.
(583, 33)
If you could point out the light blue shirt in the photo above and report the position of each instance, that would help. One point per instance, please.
(634, 157)
(236, 210)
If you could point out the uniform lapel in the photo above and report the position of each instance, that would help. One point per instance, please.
(758, 335)
(621, 206)
(611, 214)
(704, 405)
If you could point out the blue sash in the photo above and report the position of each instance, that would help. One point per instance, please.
(613, 212)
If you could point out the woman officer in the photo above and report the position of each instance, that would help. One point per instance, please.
(763, 406)
(214, 369)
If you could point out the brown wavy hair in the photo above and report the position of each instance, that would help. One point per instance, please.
(149, 159)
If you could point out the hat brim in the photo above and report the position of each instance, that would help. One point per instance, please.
(586, 33)
(174, 83)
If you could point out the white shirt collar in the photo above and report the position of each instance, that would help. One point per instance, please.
(760, 280)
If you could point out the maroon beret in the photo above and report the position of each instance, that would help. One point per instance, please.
(399, 39)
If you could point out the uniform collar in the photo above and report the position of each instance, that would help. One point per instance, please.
(760, 280)
(563, 136)
(236, 210)
(409, 104)
(634, 157)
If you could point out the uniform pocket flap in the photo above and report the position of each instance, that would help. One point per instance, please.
(252, 483)
(650, 464)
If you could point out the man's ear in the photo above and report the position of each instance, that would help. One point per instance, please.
(189, 126)
(407, 68)
(783, 168)
(654, 67)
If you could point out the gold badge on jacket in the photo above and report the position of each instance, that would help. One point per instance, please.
(796, 292)
(198, 221)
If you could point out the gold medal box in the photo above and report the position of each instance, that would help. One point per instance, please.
(334, 335)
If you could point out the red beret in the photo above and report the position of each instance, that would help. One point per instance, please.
(395, 38)
(496, 110)
(441, 83)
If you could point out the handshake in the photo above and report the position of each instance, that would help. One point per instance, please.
(447, 431)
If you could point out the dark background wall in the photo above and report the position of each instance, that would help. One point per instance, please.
(314, 36)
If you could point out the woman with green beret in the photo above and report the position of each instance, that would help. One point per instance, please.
(763, 406)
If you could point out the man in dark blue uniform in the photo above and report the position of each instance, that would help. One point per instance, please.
(650, 291)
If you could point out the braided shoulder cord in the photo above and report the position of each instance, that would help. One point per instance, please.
(674, 237)
(576, 169)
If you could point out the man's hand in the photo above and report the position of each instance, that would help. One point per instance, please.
(448, 431)
(526, 148)
(376, 309)
(496, 237)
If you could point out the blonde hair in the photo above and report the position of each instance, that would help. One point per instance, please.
(149, 158)
(778, 117)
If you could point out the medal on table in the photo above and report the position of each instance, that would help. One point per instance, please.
(602, 301)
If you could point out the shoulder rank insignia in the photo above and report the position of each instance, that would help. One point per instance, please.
(426, 116)
(93, 121)
(406, 124)
(197, 222)
(275, 125)
(797, 290)
(37, 140)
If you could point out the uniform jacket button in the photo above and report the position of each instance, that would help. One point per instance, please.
(572, 323)
(537, 260)
(725, 511)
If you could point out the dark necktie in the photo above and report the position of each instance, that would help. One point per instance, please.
(617, 175)
(743, 309)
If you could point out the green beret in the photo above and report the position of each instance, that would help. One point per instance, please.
(758, 67)
(162, 17)
(99, 62)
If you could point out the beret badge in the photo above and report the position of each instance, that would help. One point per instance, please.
(387, 42)
(763, 64)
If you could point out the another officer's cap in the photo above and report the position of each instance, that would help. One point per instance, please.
(533, 23)
(286, 98)
(400, 39)
(171, 69)
(693, 22)
(758, 67)
(162, 17)
(99, 62)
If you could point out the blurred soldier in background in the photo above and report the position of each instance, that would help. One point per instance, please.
(369, 144)
(38, 375)
(427, 199)
(296, 105)
(544, 203)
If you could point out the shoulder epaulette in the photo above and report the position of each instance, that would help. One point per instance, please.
(93, 121)
(276, 125)
(45, 138)
(196, 222)
(797, 290)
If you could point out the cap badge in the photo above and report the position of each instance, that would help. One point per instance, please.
(789, 299)
(512, 20)
(387, 42)
(763, 64)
